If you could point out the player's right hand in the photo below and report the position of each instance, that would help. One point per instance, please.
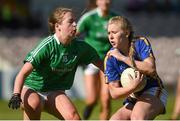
(15, 101)
(137, 81)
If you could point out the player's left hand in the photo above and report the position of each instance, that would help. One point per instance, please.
(116, 53)
(15, 101)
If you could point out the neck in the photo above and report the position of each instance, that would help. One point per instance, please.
(104, 13)
(125, 47)
(63, 40)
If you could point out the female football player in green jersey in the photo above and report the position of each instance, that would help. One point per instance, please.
(49, 70)
(93, 24)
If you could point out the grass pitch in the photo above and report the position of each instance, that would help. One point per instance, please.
(9, 114)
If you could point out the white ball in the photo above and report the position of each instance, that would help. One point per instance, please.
(125, 81)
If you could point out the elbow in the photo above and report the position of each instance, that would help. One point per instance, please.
(114, 96)
(151, 70)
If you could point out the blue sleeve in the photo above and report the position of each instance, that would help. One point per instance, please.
(110, 71)
(144, 49)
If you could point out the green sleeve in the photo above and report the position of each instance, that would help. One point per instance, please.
(37, 56)
(82, 24)
(88, 55)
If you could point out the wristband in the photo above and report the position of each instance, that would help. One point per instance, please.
(16, 94)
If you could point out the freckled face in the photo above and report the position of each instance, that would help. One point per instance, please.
(67, 27)
(69, 24)
(116, 35)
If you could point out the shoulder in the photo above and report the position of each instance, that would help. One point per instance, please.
(45, 41)
(43, 44)
(41, 49)
(80, 43)
(89, 14)
(111, 58)
(141, 40)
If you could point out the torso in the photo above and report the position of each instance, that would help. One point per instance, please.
(114, 68)
(54, 64)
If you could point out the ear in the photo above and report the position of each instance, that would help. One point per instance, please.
(57, 27)
(127, 34)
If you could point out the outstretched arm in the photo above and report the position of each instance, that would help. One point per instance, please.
(15, 100)
(24, 72)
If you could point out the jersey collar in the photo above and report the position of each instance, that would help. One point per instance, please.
(57, 40)
(99, 12)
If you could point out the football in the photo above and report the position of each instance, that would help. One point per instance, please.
(125, 81)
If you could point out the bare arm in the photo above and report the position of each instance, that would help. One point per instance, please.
(119, 92)
(146, 66)
(23, 73)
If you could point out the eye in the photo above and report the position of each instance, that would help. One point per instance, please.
(71, 20)
(113, 32)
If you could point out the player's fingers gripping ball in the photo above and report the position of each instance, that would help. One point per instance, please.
(126, 81)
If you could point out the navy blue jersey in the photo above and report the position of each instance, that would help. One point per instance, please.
(143, 50)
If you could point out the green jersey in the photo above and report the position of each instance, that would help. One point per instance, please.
(95, 28)
(55, 64)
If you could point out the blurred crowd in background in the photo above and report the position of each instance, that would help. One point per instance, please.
(150, 6)
(15, 14)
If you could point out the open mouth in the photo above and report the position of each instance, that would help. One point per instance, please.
(112, 43)
(73, 32)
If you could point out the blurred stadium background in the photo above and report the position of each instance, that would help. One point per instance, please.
(23, 23)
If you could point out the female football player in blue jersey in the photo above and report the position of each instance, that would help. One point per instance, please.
(49, 70)
(136, 52)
